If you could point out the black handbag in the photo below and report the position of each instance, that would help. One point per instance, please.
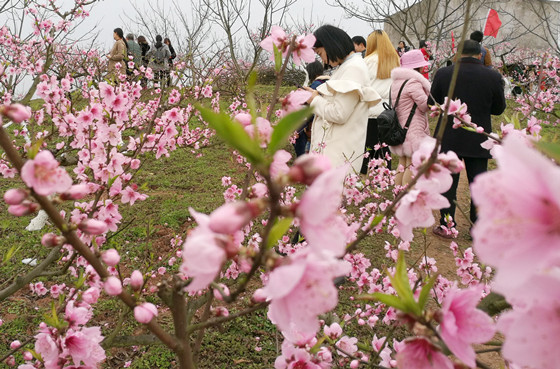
(390, 130)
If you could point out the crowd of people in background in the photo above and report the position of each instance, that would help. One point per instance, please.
(129, 55)
(354, 81)
(365, 77)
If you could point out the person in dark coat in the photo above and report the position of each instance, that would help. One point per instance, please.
(145, 48)
(482, 90)
(167, 41)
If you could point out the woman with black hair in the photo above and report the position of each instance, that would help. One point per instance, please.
(117, 55)
(158, 56)
(341, 104)
(402, 48)
(145, 47)
(173, 56)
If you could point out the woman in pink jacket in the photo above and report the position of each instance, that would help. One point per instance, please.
(416, 91)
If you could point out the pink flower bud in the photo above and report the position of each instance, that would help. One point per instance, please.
(15, 196)
(91, 295)
(11, 361)
(230, 218)
(136, 280)
(16, 112)
(25, 208)
(308, 167)
(27, 356)
(145, 312)
(259, 295)
(110, 257)
(76, 192)
(258, 190)
(243, 118)
(113, 286)
(217, 293)
(15, 345)
(51, 240)
(92, 226)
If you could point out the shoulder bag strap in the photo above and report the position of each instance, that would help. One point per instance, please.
(399, 94)
(412, 111)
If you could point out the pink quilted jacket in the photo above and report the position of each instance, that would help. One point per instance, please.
(416, 91)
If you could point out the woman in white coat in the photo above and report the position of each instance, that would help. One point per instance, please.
(341, 104)
(381, 58)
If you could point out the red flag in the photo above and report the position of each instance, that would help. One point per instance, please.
(452, 42)
(493, 24)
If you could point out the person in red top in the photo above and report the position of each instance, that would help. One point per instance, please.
(427, 56)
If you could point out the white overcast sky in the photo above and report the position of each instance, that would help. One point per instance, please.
(109, 14)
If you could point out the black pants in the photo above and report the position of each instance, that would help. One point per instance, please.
(474, 167)
(372, 139)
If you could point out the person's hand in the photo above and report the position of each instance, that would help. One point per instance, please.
(314, 94)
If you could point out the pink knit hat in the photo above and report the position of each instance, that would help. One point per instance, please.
(413, 59)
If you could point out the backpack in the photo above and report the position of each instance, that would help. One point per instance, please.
(390, 130)
(159, 55)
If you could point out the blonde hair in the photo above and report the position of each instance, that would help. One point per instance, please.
(378, 42)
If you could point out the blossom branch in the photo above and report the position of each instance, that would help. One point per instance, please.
(279, 78)
(73, 239)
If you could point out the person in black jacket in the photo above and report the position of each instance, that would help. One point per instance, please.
(145, 47)
(482, 90)
(173, 56)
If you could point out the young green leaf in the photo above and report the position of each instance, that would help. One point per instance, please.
(285, 127)
(34, 149)
(234, 134)
(10, 253)
(388, 300)
(278, 230)
(425, 292)
(277, 58)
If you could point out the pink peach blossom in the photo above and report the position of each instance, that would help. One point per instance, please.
(416, 210)
(44, 175)
(300, 291)
(532, 336)
(203, 253)
(333, 331)
(518, 224)
(295, 99)
(463, 324)
(303, 49)
(419, 353)
(277, 37)
(91, 295)
(84, 346)
(318, 210)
